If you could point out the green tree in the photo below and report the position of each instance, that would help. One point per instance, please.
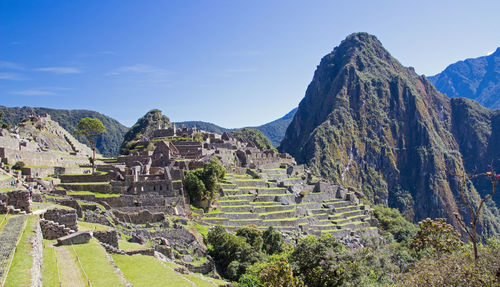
(91, 129)
(280, 274)
(252, 235)
(436, 236)
(273, 241)
(202, 184)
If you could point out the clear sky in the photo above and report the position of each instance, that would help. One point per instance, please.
(233, 63)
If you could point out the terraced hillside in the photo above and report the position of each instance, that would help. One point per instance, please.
(288, 204)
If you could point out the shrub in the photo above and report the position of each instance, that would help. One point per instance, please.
(252, 235)
(18, 165)
(273, 241)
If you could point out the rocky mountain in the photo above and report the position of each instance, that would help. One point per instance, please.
(274, 131)
(369, 123)
(477, 79)
(108, 144)
(144, 127)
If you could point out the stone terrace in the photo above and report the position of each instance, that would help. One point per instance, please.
(288, 203)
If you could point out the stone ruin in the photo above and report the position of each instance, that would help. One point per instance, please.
(18, 200)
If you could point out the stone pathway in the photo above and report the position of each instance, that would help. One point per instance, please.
(70, 271)
(37, 253)
(8, 240)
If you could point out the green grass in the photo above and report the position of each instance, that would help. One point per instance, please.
(129, 246)
(48, 178)
(142, 270)
(97, 194)
(87, 226)
(98, 268)
(20, 270)
(214, 211)
(3, 220)
(7, 189)
(279, 211)
(202, 229)
(49, 265)
(198, 280)
(86, 183)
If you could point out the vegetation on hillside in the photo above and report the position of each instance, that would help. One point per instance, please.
(107, 145)
(367, 121)
(430, 254)
(253, 136)
(203, 183)
(143, 128)
(91, 129)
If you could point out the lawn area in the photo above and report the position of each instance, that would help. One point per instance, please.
(198, 280)
(87, 226)
(3, 219)
(143, 270)
(7, 189)
(20, 270)
(129, 246)
(97, 194)
(202, 229)
(49, 266)
(96, 265)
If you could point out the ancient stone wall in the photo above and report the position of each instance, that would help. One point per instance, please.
(141, 217)
(66, 217)
(20, 199)
(52, 230)
(108, 237)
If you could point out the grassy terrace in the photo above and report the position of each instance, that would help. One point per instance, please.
(98, 268)
(20, 270)
(97, 194)
(50, 269)
(87, 226)
(138, 269)
(86, 183)
(129, 246)
(7, 189)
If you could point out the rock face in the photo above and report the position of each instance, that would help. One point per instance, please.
(477, 79)
(368, 122)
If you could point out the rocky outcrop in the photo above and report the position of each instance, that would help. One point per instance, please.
(368, 122)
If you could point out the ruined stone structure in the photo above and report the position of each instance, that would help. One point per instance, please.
(18, 200)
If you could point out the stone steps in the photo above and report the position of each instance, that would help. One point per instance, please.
(247, 197)
(278, 215)
(216, 221)
(274, 207)
(243, 222)
(336, 204)
(265, 191)
(361, 217)
(236, 208)
(233, 202)
(335, 216)
(241, 215)
(345, 208)
(112, 249)
(247, 183)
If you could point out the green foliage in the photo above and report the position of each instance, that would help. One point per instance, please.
(108, 144)
(232, 254)
(252, 235)
(253, 136)
(249, 280)
(457, 268)
(202, 184)
(273, 241)
(144, 127)
(394, 224)
(90, 128)
(18, 165)
(436, 237)
(280, 274)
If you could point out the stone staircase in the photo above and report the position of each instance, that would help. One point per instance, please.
(111, 249)
(4, 208)
(53, 230)
(287, 203)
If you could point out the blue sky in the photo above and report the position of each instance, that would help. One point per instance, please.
(233, 63)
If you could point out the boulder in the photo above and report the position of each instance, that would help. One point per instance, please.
(75, 238)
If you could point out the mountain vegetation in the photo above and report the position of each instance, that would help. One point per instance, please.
(143, 128)
(477, 79)
(108, 144)
(253, 136)
(369, 123)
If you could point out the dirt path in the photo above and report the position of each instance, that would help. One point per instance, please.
(71, 274)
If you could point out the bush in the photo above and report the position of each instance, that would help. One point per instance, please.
(280, 274)
(252, 235)
(202, 184)
(18, 165)
(273, 241)
(392, 223)
(232, 254)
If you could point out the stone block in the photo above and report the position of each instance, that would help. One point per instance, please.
(75, 238)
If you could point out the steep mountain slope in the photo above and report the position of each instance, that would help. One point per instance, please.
(477, 79)
(144, 127)
(108, 144)
(370, 123)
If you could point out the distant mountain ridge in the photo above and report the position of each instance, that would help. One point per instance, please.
(274, 131)
(372, 124)
(475, 78)
(108, 144)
